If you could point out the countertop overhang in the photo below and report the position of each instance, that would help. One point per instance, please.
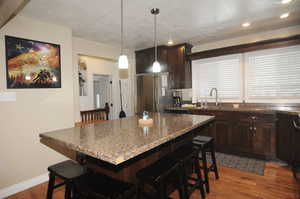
(116, 141)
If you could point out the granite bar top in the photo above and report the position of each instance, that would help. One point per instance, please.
(116, 141)
(267, 110)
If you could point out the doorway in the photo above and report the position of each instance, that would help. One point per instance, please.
(102, 91)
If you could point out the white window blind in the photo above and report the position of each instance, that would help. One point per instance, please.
(223, 73)
(273, 73)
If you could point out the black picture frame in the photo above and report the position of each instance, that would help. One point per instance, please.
(32, 64)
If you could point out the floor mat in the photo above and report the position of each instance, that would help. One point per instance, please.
(241, 163)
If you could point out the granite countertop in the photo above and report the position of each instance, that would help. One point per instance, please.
(270, 110)
(116, 141)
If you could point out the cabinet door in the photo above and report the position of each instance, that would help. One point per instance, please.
(179, 67)
(263, 134)
(285, 130)
(241, 138)
(223, 129)
(145, 58)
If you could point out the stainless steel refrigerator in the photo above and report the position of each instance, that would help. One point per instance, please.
(153, 94)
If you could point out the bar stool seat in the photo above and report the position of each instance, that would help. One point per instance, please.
(68, 171)
(157, 175)
(98, 186)
(203, 139)
(206, 144)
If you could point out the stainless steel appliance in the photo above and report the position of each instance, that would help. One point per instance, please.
(153, 94)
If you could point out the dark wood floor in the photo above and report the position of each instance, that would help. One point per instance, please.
(277, 183)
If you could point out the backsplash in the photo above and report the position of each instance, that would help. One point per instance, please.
(186, 94)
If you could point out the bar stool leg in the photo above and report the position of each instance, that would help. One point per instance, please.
(50, 185)
(161, 192)
(213, 156)
(204, 162)
(68, 190)
(184, 181)
(199, 175)
(139, 190)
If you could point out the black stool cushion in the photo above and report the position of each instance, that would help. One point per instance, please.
(98, 186)
(158, 169)
(200, 138)
(67, 170)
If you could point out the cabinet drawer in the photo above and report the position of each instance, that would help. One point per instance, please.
(254, 117)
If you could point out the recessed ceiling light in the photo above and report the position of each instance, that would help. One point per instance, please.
(285, 15)
(246, 24)
(286, 1)
(170, 42)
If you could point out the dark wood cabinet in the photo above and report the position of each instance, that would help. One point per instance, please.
(245, 133)
(254, 133)
(223, 129)
(240, 137)
(179, 67)
(286, 135)
(173, 59)
(145, 58)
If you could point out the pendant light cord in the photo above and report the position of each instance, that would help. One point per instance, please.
(122, 31)
(155, 32)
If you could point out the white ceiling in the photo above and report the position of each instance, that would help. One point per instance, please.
(193, 21)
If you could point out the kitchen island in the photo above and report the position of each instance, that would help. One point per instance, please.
(121, 147)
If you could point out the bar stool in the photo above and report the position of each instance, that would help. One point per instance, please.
(295, 161)
(157, 176)
(187, 155)
(206, 145)
(94, 185)
(68, 171)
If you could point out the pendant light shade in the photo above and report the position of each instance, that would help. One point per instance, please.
(156, 68)
(123, 60)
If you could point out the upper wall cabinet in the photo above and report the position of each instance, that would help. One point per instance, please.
(179, 66)
(145, 58)
(173, 59)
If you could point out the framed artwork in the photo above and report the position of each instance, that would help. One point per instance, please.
(32, 64)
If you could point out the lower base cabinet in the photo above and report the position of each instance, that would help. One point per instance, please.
(223, 129)
(244, 133)
(241, 138)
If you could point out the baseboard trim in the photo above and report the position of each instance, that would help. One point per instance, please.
(16, 188)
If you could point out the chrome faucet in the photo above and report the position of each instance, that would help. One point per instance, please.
(211, 93)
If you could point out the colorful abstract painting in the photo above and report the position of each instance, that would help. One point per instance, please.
(32, 64)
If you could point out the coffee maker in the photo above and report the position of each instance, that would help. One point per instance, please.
(177, 96)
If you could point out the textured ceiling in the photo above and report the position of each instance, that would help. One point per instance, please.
(193, 21)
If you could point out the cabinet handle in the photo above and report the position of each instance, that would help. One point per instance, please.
(296, 126)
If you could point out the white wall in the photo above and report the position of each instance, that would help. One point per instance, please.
(284, 32)
(90, 48)
(35, 111)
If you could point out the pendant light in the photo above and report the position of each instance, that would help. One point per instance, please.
(123, 60)
(156, 68)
